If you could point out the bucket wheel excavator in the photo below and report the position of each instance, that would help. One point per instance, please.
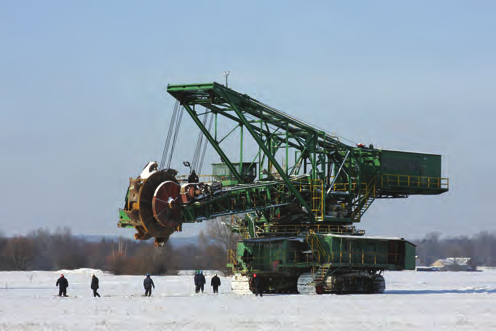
(300, 191)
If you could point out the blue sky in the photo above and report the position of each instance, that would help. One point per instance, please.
(83, 104)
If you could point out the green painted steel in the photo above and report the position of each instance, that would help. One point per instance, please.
(302, 202)
(352, 177)
(411, 173)
(412, 164)
(291, 254)
(124, 220)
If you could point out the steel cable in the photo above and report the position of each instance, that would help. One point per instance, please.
(169, 134)
(199, 142)
(177, 126)
(206, 143)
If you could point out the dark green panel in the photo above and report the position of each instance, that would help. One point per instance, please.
(405, 173)
(361, 252)
(410, 253)
(411, 164)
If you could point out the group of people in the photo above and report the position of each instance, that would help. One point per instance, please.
(148, 284)
(200, 281)
(63, 284)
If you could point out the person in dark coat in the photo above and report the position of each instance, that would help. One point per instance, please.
(94, 286)
(202, 281)
(196, 279)
(148, 284)
(63, 284)
(199, 281)
(258, 285)
(215, 283)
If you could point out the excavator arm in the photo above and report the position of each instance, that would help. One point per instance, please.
(321, 183)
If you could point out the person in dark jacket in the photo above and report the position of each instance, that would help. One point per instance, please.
(148, 284)
(202, 281)
(196, 279)
(199, 281)
(258, 285)
(215, 283)
(63, 284)
(94, 285)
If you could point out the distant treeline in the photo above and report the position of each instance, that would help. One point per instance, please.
(481, 248)
(43, 250)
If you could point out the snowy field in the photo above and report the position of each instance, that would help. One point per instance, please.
(412, 301)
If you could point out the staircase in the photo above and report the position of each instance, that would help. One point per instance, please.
(363, 202)
(316, 246)
(320, 273)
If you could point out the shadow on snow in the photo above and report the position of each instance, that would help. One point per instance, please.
(454, 291)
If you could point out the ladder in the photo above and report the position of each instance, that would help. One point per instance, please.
(317, 189)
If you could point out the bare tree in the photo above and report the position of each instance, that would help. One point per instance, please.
(220, 232)
(22, 251)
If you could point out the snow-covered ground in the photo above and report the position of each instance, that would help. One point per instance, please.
(412, 301)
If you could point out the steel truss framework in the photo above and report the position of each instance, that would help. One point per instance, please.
(328, 171)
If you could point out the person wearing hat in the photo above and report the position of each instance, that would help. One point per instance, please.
(63, 284)
(148, 284)
(94, 285)
(215, 283)
(198, 281)
(258, 285)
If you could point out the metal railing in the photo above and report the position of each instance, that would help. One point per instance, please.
(316, 246)
(203, 178)
(315, 184)
(388, 180)
(368, 258)
(231, 257)
(361, 205)
(320, 228)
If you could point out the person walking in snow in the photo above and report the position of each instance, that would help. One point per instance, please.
(148, 284)
(258, 285)
(198, 280)
(94, 285)
(215, 283)
(202, 281)
(63, 284)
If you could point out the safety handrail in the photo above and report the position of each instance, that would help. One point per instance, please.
(365, 257)
(314, 241)
(231, 256)
(361, 205)
(320, 228)
(414, 181)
